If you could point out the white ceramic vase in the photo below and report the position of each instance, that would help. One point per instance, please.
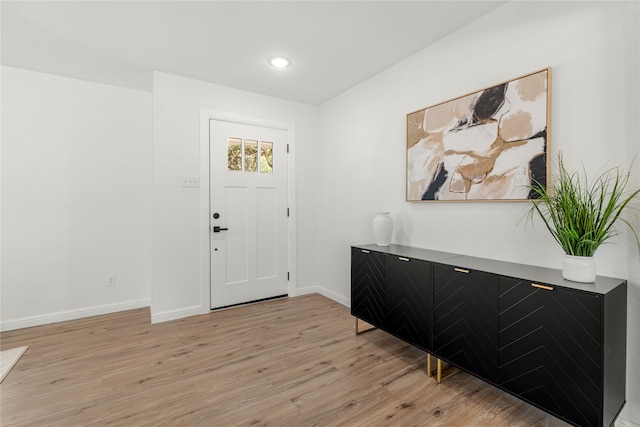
(579, 268)
(382, 228)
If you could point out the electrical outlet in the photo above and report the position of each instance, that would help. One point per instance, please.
(111, 280)
(190, 181)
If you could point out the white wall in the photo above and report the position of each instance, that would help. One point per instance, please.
(593, 48)
(177, 256)
(76, 198)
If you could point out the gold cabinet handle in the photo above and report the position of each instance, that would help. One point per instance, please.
(546, 288)
(364, 251)
(403, 259)
(461, 270)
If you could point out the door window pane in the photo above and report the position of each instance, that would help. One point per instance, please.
(234, 154)
(250, 155)
(266, 157)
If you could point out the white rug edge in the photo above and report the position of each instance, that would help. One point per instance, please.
(8, 359)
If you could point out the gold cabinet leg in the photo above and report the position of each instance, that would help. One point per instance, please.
(448, 371)
(367, 326)
(430, 370)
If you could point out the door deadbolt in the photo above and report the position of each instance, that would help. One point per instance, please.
(216, 215)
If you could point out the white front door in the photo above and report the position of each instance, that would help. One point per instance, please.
(248, 213)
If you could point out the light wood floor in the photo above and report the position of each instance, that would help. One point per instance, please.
(289, 362)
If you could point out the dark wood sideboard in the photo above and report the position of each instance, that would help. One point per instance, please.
(556, 344)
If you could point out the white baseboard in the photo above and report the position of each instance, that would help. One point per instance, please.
(325, 292)
(621, 422)
(180, 313)
(61, 316)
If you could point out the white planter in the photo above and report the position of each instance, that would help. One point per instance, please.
(382, 228)
(579, 268)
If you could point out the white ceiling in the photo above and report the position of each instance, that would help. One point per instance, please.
(334, 45)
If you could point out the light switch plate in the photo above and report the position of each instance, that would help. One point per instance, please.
(190, 181)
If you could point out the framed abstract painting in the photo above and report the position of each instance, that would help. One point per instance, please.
(489, 145)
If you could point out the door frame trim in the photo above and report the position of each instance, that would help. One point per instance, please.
(206, 115)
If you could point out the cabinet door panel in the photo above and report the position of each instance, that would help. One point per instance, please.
(367, 286)
(465, 313)
(550, 349)
(409, 294)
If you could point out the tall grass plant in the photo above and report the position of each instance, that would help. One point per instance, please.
(580, 215)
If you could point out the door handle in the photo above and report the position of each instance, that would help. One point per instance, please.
(217, 229)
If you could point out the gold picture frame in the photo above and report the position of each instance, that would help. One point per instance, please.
(488, 145)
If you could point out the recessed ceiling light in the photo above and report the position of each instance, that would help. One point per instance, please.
(279, 62)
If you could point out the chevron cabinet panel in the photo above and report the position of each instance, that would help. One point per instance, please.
(367, 286)
(465, 328)
(409, 300)
(551, 349)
